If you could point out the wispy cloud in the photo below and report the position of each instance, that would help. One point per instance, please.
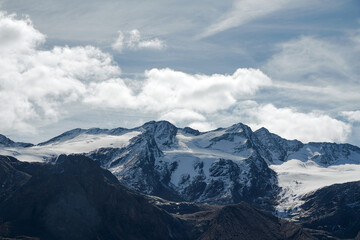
(309, 59)
(319, 71)
(244, 11)
(133, 41)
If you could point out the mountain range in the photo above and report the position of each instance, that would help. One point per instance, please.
(221, 167)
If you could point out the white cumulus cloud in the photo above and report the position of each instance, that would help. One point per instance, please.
(18, 35)
(35, 84)
(179, 116)
(352, 116)
(167, 89)
(134, 41)
(292, 124)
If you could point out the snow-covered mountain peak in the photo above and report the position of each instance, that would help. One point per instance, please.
(239, 127)
(163, 131)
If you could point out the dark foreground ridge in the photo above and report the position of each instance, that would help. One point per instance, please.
(73, 198)
(334, 209)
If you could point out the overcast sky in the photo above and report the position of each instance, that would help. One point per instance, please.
(290, 66)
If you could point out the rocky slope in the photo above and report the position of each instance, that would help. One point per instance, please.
(334, 209)
(234, 221)
(73, 198)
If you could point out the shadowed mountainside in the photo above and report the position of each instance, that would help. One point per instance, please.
(73, 198)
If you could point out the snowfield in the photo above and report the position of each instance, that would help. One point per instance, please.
(297, 178)
(82, 143)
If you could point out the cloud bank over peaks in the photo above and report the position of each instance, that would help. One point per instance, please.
(173, 94)
(39, 87)
(133, 41)
(289, 123)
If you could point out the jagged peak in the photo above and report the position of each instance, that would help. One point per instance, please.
(263, 130)
(160, 129)
(156, 124)
(238, 127)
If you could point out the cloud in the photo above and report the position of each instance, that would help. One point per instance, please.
(39, 87)
(187, 117)
(316, 73)
(179, 116)
(291, 124)
(202, 126)
(36, 84)
(18, 35)
(355, 38)
(133, 41)
(244, 11)
(118, 45)
(352, 116)
(309, 59)
(166, 89)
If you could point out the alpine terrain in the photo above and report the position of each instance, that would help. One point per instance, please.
(220, 167)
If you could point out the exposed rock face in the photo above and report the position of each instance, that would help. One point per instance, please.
(332, 153)
(275, 147)
(334, 209)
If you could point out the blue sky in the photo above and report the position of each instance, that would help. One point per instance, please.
(291, 66)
